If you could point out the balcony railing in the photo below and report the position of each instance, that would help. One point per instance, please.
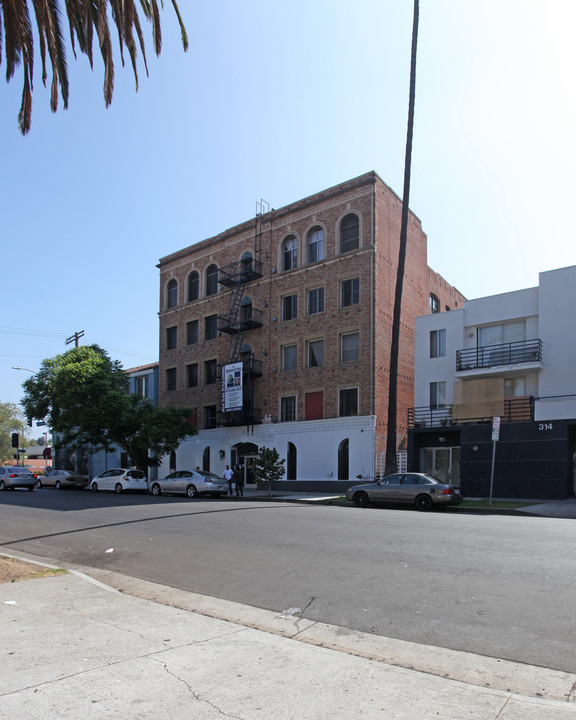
(240, 417)
(250, 366)
(429, 417)
(239, 272)
(525, 351)
(247, 318)
(514, 409)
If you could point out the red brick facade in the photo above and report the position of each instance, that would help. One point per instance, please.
(368, 321)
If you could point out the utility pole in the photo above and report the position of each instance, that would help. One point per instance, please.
(75, 338)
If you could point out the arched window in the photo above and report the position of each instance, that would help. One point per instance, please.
(434, 304)
(193, 286)
(206, 459)
(343, 456)
(349, 233)
(315, 244)
(172, 294)
(290, 253)
(211, 280)
(291, 462)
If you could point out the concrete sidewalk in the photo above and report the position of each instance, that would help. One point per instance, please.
(74, 647)
(544, 508)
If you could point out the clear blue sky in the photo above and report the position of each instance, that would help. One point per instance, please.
(279, 101)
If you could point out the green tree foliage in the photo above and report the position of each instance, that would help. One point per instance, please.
(84, 396)
(268, 467)
(11, 420)
(87, 19)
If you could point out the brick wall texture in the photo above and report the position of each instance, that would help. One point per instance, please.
(374, 263)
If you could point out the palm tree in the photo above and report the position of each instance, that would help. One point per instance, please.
(391, 441)
(86, 18)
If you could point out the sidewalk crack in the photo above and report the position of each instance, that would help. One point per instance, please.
(196, 695)
(499, 713)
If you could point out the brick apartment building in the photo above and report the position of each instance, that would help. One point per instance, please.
(294, 310)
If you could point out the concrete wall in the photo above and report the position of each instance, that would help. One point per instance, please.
(316, 444)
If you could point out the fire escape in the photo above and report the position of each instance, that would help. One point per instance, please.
(239, 320)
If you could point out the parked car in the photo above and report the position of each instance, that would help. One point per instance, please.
(120, 479)
(62, 479)
(191, 483)
(421, 490)
(17, 477)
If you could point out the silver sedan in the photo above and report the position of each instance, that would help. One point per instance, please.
(63, 478)
(17, 477)
(422, 491)
(191, 483)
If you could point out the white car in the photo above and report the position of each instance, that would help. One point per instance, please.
(191, 483)
(17, 477)
(119, 480)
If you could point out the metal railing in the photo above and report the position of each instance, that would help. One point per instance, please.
(248, 318)
(239, 272)
(515, 409)
(240, 417)
(488, 356)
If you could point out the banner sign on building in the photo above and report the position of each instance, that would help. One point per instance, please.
(232, 387)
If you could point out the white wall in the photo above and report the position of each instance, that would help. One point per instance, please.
(316, 443)
(558, 333)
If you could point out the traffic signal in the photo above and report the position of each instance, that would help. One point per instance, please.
(15, 440)
(30, 422)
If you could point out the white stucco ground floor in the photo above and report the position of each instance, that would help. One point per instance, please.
(320, 454)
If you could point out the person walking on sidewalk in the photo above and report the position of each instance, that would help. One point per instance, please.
(239, 480)
(228, 475)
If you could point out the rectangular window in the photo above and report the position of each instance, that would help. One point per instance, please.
(192, 375)
(192, 332)
(348, 402)
(141, 386)
(315, 301)
(515, 387)
(290, 357)
(316, 353)
(171, 379)
(210, 417)
(437, 395)
(171, 337)
(288, 408)
(210, 372)
(350, 292)
(290, 307)
(349, 347)
(501, 334)
(211, 327)
(437, 343)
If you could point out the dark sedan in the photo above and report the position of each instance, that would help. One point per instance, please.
(422, 491)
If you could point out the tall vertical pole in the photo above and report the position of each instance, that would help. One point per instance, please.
(391, 440)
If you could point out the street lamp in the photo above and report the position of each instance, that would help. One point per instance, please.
(17, 367)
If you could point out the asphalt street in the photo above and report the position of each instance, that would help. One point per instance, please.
(493, 585)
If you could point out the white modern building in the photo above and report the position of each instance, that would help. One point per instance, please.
(509, 356)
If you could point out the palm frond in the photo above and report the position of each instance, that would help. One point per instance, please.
(84, 18)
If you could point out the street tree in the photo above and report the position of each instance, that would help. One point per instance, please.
(83, 395)
(11, 420)
(87, 19)
(268, 468)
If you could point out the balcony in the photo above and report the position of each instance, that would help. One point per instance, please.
(240, 417)
(242, 271)
(247, 318)
(429, 417)
(514, 409)
(250, 367)
(525, 351)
